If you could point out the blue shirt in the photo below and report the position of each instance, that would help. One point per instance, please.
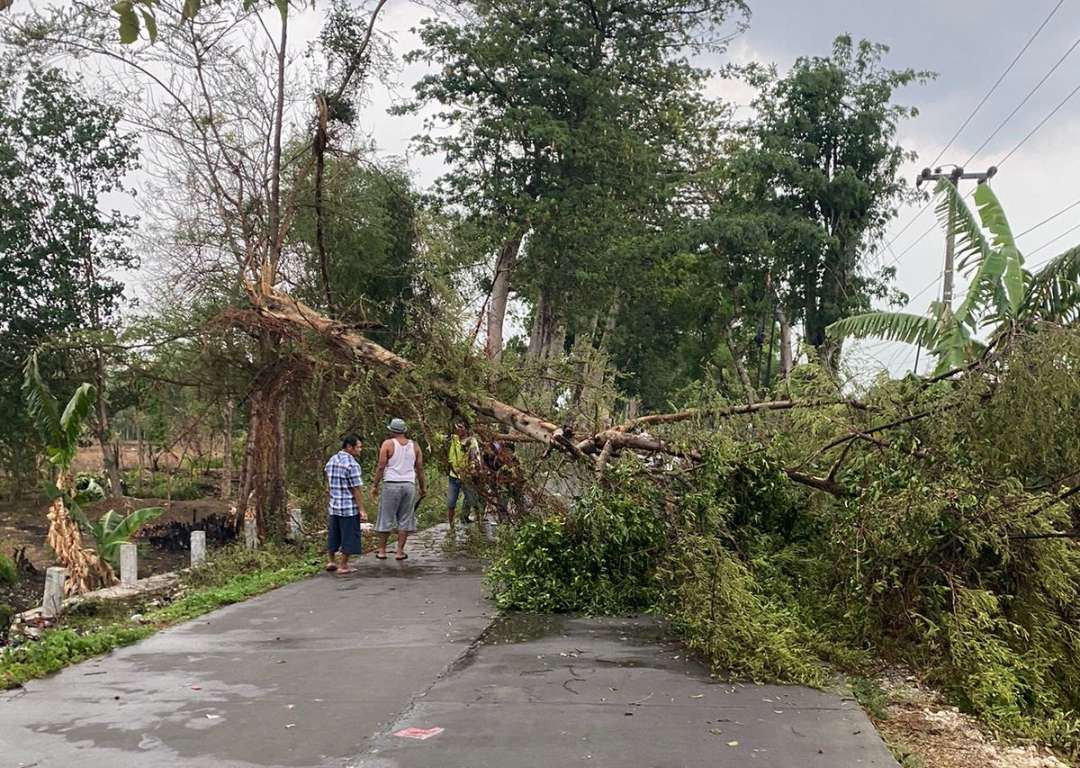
(343, 474)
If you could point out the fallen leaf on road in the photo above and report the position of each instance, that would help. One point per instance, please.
(419, 733)
(733, 743)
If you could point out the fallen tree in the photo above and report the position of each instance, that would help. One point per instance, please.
(282, 311)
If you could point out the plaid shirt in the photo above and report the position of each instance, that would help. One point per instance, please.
(342, 475)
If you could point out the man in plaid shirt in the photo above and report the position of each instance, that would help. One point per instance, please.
(346, 505)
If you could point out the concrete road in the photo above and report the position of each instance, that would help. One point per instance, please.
(326, 671)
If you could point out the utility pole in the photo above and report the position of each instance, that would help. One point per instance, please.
(954, 177)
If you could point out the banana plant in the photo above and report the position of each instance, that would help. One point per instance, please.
(114, 529)
(60, 431)
(1001, 294)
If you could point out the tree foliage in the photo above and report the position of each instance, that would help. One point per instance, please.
(821, 160)
(62, 159)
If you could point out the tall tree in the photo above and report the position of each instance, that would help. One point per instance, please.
(62, 155)
(820, 157)
(220, 95)
(367, 251)
(566, 114)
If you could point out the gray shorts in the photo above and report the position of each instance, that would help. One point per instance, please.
(397, 507)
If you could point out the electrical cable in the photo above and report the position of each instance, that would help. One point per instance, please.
(998, 82)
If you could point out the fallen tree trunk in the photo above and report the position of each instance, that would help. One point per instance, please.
(283, 310)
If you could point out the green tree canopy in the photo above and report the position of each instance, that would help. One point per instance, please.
(62, 157)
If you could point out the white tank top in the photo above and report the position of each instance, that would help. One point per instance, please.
(401, 466)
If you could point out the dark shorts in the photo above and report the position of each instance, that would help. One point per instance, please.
(343, 534)
(455, 487)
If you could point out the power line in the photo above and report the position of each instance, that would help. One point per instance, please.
(1049, 219)
(1051, 242)
(979, 106)
(916, 217)
(918, 240)
(993, 88)
(931, 284)
(1042, 122)
(1025, 100)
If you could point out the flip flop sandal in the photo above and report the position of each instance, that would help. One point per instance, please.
(403, 557)
(331, 567)
(380, 557)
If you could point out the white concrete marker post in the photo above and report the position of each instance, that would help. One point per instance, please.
(53, 601)
(251, 534)
(129, 564)
(295, 530)
(198, 548)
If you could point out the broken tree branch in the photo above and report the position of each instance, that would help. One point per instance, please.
(722, 412)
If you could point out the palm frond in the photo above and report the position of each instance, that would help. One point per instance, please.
(892, 326)
(955, 347)
(993, 218)
(1053, 293)
(71, 421)
(40, 403)
(983, 263)
(127, 527)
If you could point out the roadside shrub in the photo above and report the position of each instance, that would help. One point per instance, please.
(721, 610)
(600, 558)
(7, 614)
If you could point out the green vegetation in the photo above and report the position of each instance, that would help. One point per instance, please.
(872, 698)
(230, 576)
(664, 249)
(163, 485)
(114, 529)
(9, 574)
(942, 548)
(1001, 296)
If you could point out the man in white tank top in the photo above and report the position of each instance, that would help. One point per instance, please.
(401, 468)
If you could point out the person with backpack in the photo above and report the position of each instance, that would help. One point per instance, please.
(400, 472)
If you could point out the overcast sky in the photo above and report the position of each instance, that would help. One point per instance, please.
(969, 43)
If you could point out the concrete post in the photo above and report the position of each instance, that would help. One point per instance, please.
(53, 601)
(198, 548)
(295, 530)
(251, 534)
(129, 564)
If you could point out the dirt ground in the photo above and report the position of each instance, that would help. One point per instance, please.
(23, 526)
(88, 458)
(922, 725)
